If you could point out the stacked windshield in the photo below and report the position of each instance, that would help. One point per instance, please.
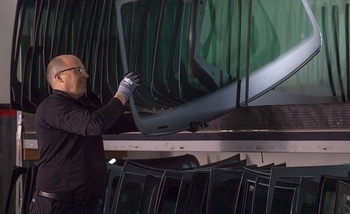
(199, 59)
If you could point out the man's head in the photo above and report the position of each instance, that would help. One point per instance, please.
(67, 73)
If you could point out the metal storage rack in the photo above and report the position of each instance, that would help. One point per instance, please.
(301, 142)
(291, 129)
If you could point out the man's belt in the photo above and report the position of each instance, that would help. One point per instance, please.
(56, 196)
(68, 198)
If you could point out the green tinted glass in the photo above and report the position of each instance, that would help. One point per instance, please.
(237, 34)
(197, 51)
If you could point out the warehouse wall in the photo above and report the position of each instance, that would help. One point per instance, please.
(7, 118)
(7, 11)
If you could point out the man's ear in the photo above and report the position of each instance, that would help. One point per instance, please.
(59, 78)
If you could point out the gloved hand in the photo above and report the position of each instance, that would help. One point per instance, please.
(128, 84)
(196, 125)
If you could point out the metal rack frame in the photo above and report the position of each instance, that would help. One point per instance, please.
(322, 141)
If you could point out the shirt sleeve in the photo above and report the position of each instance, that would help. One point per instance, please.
(68, 116)
(111, 112)
(124, 124)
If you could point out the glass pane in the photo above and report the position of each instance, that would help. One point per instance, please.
(216, 53)
(325, 78)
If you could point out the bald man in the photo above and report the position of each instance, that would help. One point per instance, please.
(72, 169)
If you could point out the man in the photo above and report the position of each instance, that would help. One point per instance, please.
(72, 169)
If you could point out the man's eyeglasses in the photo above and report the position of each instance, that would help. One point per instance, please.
(80, 69)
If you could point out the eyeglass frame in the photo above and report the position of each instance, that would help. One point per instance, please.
(80, 69)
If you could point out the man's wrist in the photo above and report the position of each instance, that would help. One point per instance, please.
(121, 97)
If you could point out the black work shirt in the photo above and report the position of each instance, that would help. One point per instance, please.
(69, 134)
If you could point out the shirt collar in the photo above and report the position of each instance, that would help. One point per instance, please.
(62, 93)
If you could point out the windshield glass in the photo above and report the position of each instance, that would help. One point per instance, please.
(186, 50)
